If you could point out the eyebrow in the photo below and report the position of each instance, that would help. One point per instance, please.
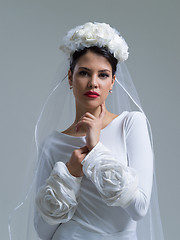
(103, 70)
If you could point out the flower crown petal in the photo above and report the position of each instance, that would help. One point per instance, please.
(95, 34)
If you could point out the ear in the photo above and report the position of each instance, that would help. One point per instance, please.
(113, 81)
(70, 77)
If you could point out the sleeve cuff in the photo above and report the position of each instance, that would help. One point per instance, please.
(60, 172)
(58, 199)
(116, 183)
(92, 154)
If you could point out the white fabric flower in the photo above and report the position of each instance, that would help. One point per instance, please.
(57, 200)
(95, 34)
(116, 183)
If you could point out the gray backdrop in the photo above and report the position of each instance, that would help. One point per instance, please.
(30, 33)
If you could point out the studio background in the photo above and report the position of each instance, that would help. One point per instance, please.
(30, 35)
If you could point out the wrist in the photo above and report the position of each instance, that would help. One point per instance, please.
(93, 144)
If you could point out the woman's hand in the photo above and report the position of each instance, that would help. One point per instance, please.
(74, 164)
(92, 126)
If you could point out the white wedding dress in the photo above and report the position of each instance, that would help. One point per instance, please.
(113, 194)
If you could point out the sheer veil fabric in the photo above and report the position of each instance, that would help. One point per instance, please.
(58, 113)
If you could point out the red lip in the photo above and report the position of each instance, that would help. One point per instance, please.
(92, 94)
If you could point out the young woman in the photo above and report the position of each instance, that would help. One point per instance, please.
(95, 178)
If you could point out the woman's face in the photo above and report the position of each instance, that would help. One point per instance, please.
(91, 80)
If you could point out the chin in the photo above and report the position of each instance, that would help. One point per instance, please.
(91, 104)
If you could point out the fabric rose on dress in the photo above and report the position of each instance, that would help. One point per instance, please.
(95, 34)
(116, 183)
(57, 200)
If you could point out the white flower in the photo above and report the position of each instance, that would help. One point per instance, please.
(57, 200)
(116, 184)
(95, 34)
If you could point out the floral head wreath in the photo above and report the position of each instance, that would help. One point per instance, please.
(95, 34)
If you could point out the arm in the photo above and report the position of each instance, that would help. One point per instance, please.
(57, 196)
(140, 157)
(119, 185)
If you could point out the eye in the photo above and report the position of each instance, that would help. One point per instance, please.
(103, 75)
(83, 73)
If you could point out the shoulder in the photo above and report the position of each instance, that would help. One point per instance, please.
(134, 119)
(127, 120)
(134, 116)
(130, 117)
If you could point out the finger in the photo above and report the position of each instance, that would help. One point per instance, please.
(85, 121)
(78, 125)
(84, 150)
(89, 115)
(83, 155)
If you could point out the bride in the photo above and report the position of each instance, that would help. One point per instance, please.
(96, 176)
(96, 179)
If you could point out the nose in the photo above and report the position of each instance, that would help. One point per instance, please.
(93, 82)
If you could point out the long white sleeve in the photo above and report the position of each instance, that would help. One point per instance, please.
(119, 185)
(57, 199)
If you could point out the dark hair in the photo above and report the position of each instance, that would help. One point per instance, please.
(98, 50)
